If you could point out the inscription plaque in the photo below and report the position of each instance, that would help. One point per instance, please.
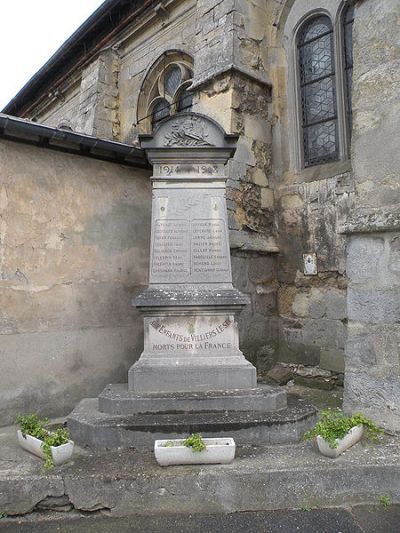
(170, 247)
(189, 237)
(209, 247)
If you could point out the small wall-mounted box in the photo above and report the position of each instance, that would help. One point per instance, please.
(310, 264)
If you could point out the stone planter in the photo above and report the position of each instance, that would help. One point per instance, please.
(352, 437)
(218, 451)
(61, 454)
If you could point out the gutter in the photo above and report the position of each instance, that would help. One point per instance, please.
(25, 131)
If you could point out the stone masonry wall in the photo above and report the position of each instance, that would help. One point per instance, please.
(310, 204)
(312, 308)
(372, 380)
(73, 252)
(230, 80)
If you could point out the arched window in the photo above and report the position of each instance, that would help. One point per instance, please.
(318, 40)
(317, 80)
(347, 32)
(165, 90)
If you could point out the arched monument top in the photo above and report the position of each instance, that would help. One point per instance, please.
(189, 131)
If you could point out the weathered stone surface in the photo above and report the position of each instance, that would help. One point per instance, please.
(60, 504)
(74, 252)
(382, 401)
(129, 482)
(280, 373)
(118, 400)
(324, 332)
(101, 431)
(374, 305)
(331, 359)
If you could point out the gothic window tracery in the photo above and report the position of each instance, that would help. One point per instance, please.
(165, 91)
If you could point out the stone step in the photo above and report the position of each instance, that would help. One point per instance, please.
(100, 431)
(116, 399)
(128, 482)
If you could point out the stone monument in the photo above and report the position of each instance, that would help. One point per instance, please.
(191, 375)
(190, 308)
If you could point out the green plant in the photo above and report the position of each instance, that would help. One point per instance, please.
(196, 442)
(169, 444)
(3, 515)
(34, 426)
(56, 438)
(333, 424)
(305, 509)
(385, 500)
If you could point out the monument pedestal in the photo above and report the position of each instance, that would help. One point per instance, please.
(191, 376)
(190, 347)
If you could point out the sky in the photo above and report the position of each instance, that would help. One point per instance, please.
(31, 31)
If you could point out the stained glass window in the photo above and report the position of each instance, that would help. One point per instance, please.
(171, 94)
(348, 19)
(172, 80)
(185, 100)
(318, 91)
(161, 110)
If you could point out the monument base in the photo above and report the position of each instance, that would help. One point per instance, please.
(118, 400)
(193, 374)
(120, 418)
(191, 347)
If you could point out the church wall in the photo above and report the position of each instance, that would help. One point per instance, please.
(74, 251)
(61, 109)
(372, 379)
(309, 207)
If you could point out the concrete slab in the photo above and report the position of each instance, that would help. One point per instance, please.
(129, 482)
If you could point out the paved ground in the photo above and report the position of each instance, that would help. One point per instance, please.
(360, 519)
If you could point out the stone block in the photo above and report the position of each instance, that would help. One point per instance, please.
(364, 258)
(265, 301)
(258, 177)
(336, 308)
(377, 398)
(261, 269)
(267, 198)
(301, 304)
(374, 306)
(324, 333)
(332, 360)
(317, 307)
(280, 373)
(118, 400)
(90, 427)
(244, 153)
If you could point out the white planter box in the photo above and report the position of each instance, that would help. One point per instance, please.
(218, 451)
(61, 454)
(352, 437)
